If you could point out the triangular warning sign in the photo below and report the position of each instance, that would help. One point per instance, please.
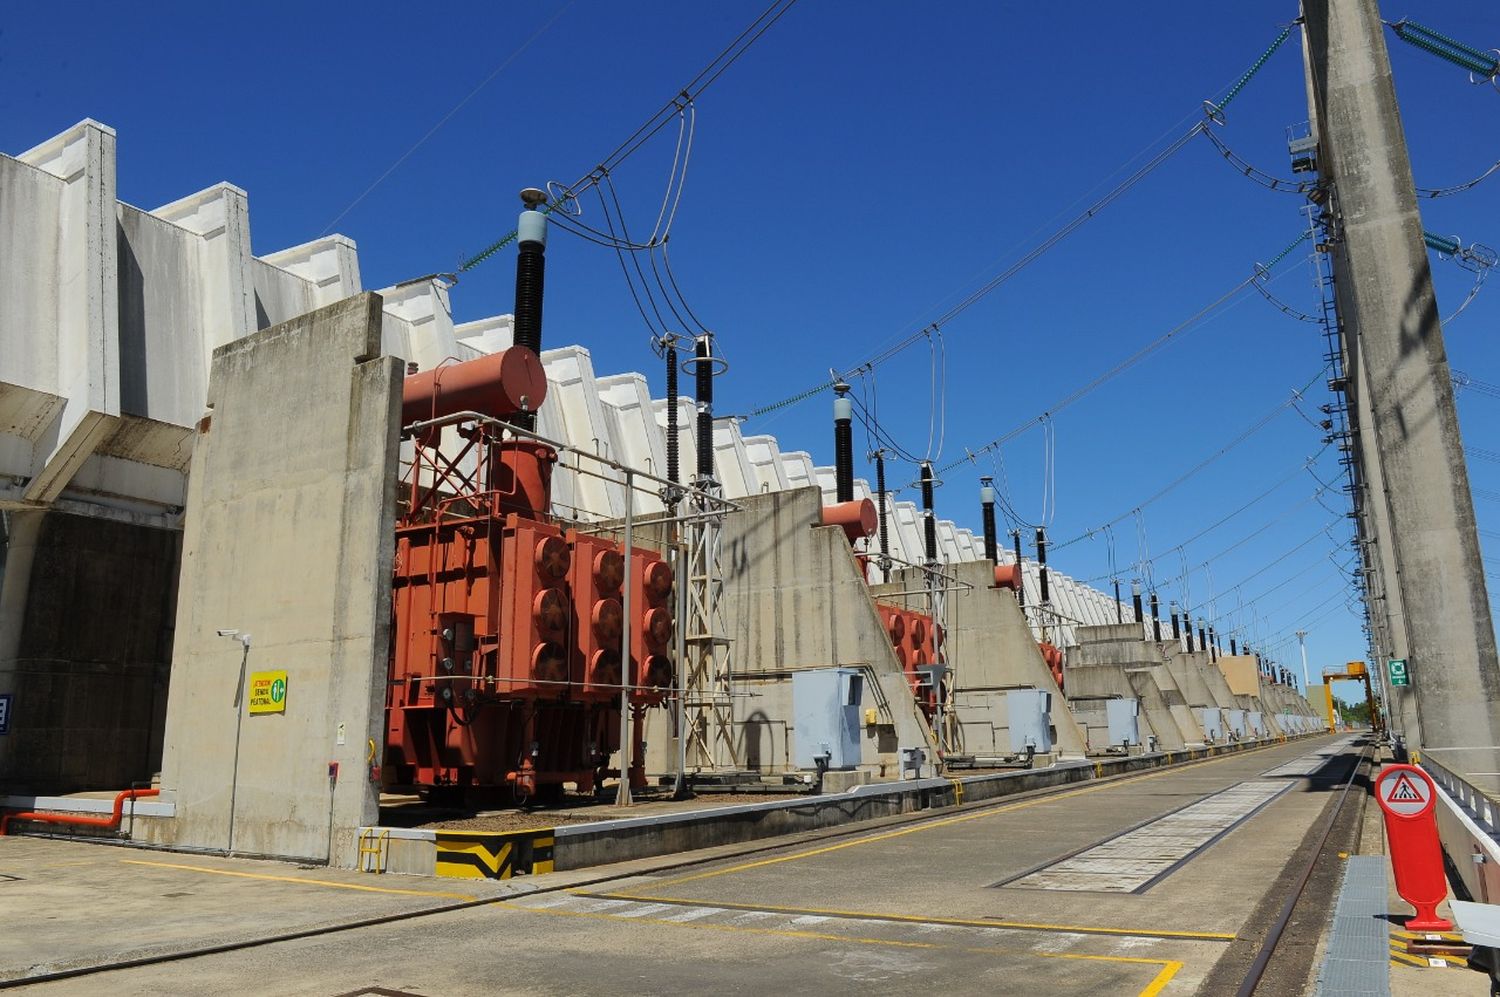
(1404, 791)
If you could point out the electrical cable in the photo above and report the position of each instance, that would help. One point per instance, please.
(1294, 472)
(1104, 377)
(1254, 428)
(1464, 382)
(624, 269)
(994, 283)
(1479, 278)
(666, 260)
(689, 94)
(1261, 177)
(1321, 531)
(608, 183)
(445, 118)
(974, 297)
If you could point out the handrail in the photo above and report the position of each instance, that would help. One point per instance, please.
(112, 822)
(1479, 804)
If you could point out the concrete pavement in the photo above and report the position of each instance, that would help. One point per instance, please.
(909, 904)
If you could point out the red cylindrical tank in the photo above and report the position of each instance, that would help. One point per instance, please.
(895, 625)
(1008, 576)
(499, 385)
(857, 519)
(522, 475)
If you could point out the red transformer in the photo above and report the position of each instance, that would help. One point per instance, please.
(917, 641)
(505, 668)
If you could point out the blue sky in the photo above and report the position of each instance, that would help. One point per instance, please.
(863, 166)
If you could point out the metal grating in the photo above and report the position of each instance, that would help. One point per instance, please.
(1357, 960)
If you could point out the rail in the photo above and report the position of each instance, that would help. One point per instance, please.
(1273, 937)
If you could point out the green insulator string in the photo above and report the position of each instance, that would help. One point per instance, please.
(785, 402)
(1287, 251)
(1234, 91)
(495, 247)
(1442, 244)
(1464, 56)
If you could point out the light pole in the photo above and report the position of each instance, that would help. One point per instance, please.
(1302, 642)
(239, 719)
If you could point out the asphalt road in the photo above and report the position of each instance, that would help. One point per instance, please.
(1041, 895)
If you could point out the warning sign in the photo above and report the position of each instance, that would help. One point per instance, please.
(267, 692)
(1408, 798)
(1404, 791)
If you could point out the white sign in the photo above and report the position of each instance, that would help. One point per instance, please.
(1403, 793)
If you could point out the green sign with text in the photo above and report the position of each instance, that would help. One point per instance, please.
(1398, 672)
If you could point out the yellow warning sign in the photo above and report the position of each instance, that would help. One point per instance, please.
(267, 692)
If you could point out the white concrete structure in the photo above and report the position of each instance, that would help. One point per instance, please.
(109, 315)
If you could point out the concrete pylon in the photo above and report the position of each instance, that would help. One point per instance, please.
(1381, 266)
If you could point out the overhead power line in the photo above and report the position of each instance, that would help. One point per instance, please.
(1464, 382)
(1250, 431)
(502, 67)
(1179, 548)
(670, 110)
(1193, 320)
(904, 343)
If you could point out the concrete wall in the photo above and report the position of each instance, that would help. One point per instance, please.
(991, 650)
(794, 599)
(288, 538)
(1144, 674)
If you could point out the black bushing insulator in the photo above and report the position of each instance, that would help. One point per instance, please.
(885, 542)
(1020, 589)
(991, 551)
(843, 459)
(703, 376)
(531, 267)
(929, 521)
(1041, 562)
(672, 443)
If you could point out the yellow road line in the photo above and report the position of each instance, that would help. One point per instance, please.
(1195, 936)
(1162, 979)
(1169, 967)
(301, 881)
(945, 822)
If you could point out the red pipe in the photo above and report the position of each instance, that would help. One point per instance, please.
(112, 822)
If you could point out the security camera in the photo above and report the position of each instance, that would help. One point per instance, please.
(228, 633)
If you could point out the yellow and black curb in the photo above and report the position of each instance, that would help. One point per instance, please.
(494, 855)
(1429, 949)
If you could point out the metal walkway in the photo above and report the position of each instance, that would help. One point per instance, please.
(1357, 962)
